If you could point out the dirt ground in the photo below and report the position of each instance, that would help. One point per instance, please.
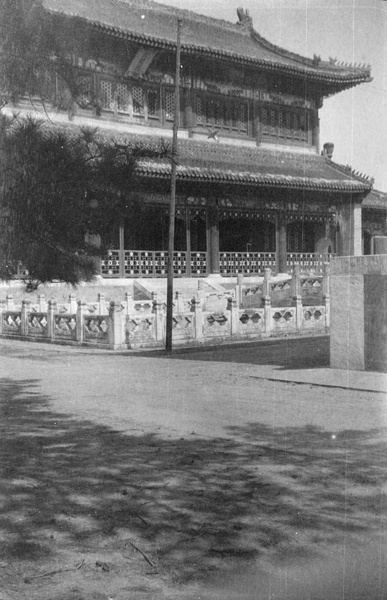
(195, 476)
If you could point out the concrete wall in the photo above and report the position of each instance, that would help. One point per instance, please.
(358, 289)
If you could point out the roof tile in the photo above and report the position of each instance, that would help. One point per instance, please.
(155, 23)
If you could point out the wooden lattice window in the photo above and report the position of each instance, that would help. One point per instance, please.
(284, 123)
(221, 113)
(138, 101)
(123, 98)
(169, 105)
(133, 100)
(106, 94)
(153, 103)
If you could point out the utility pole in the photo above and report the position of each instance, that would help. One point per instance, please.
(172, 203)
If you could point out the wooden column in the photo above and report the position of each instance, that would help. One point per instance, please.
(188, 240)
(281, 235)
(122, 249)
(213, 240)
(316, 131)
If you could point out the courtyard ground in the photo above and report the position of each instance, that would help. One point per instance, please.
(250, 472)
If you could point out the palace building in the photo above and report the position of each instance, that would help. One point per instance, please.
(255, 188)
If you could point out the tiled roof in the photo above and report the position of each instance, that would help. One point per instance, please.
(211, 162)
(376, 200)
(155, 24)
(201, 161)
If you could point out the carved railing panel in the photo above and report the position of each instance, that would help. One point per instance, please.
(251, 322)
(183, 327)
(65, 327)
(95, 328)
(37, 324)
(251, 296)
(140, 329)
(283, 319)
(11, 322)
(281, 293)
(216, 325)
(216, 302)
(312, 289)
(313, 318)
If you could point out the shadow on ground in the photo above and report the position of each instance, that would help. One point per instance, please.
(193, 506)
(284, 353)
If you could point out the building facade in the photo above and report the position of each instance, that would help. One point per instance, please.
(254, 188)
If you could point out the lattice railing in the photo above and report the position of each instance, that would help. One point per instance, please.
(149, 263)
(110, 265)
(232, 263)
(198, 264)
(307, 261)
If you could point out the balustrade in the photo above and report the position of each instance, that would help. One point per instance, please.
(270, 306)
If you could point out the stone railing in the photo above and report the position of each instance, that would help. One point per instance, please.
(296, 305)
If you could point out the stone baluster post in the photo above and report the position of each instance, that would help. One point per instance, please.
(72, 304)
(239, 289)
(297, 295)
(10, 302)
(25, 310)
(326, 293)
(52, 309)
(198, 310)
(232, 307)
(201, 290)
(82, 310)
(159, 323)
(42, 304)
(266, 297)
(178, 303)
(101, 304)
(129, 303)
(116, 329)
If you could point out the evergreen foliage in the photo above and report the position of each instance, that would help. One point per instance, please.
(58, 187)
(61, 188)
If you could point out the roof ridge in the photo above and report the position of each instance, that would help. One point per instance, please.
(174, 10)
(347, 170)
(243, 27)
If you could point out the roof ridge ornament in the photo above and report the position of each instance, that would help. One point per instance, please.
(245, 20)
